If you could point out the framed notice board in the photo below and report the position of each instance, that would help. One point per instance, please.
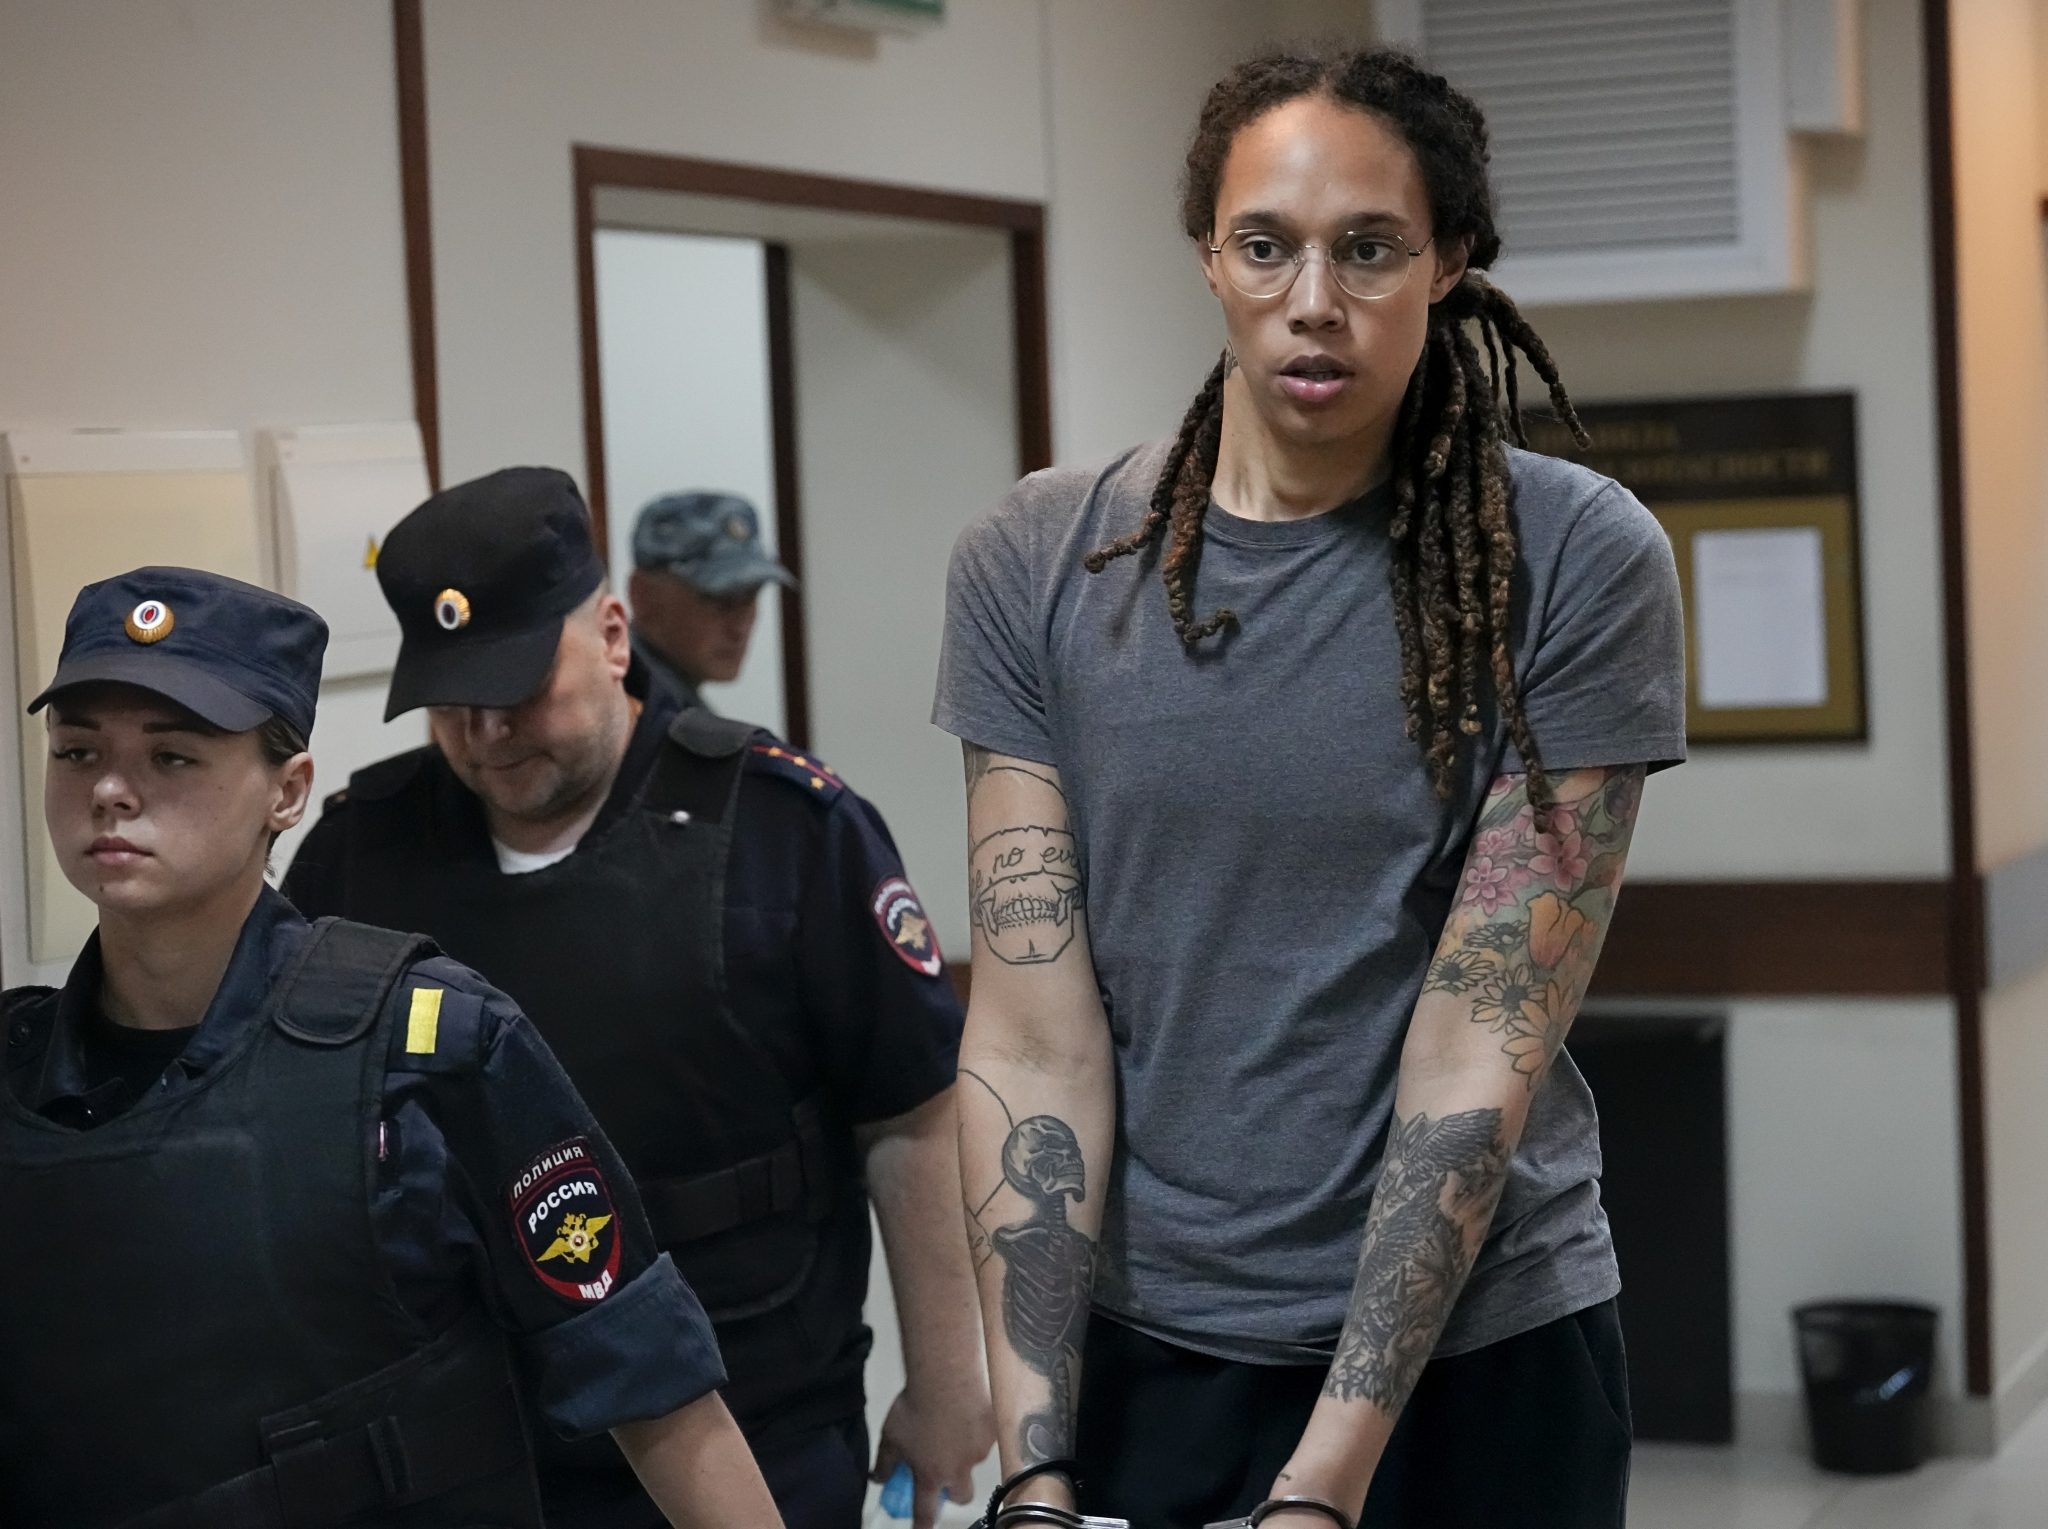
(1758, 496)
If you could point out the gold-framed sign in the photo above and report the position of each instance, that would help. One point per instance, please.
(1758, 496)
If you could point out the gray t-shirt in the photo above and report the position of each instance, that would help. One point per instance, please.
(1269, 870)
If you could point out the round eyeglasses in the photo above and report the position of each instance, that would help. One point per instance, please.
(1368, 266)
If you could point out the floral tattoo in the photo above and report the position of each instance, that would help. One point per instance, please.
(1532, 910)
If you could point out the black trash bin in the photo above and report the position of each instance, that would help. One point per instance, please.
(1868, 1366)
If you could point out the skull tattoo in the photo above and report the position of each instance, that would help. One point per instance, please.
(1025, 885)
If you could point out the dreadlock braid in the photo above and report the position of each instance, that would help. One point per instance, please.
(1398, 530)
(1451, 531)
(1161, 507)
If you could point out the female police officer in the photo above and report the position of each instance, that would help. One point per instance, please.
(302, 1218)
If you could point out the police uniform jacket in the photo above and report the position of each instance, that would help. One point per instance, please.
(469, 1186)
(741, 1012)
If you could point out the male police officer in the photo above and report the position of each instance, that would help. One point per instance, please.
(288, 1203)
(698, 571)
(717, 938)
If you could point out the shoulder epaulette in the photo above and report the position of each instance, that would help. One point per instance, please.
(803, 770)
(440, 1030)
(25, 1020)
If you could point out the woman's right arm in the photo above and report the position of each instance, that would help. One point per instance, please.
(1037, 1105)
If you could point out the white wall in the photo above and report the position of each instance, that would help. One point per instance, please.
(1872, 810)
(202, 230)
(1843, 1164)
(2002, 293)
(202, 215)
(682, 342)
(906, 410)
(512, 84)
(2016, 1123)
(1082, 104)
(2003, 344)
(1123, 84)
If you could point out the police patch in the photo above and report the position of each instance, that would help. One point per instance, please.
(906, 927)
(564, 1221)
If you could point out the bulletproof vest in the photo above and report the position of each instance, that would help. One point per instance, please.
(617, 955)
(200, 1332)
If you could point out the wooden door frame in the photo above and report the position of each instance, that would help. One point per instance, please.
(598, 168)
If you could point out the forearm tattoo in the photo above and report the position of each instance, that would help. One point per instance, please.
(1024, 884)
(1538, 891)
(1439, 1183)
(1048, 1268)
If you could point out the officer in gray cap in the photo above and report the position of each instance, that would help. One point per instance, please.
(698, 571)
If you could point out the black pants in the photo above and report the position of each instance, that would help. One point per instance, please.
(1529, 1433)
(819, 1478)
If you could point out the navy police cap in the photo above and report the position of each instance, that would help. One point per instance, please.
(480, 577)
(232, 654)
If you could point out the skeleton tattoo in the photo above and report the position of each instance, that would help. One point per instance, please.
(1048, 1269)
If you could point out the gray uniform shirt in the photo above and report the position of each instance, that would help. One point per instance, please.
(1268, 870)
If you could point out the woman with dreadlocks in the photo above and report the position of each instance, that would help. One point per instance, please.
(1288, 884)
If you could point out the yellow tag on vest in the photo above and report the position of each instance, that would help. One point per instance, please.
(423, 1023)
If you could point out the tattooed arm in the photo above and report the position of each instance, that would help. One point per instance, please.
(1037, 1106)
(1514, 962)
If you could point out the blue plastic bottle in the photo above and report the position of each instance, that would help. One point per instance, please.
(899, 1493)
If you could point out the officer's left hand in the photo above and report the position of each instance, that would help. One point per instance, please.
(944, 1438)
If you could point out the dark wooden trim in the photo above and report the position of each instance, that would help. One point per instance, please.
(1966, 908)
(1685, 939)
(408, 46)
(789, 536)
(1767, 939)
(1034, 353)
(789, 188)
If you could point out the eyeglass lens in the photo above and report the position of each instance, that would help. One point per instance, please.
(1265, 265)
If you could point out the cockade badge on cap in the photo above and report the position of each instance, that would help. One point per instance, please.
(151, 621)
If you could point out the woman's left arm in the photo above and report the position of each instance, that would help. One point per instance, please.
(1515, 960)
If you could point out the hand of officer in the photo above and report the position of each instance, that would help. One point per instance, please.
(943, 1438)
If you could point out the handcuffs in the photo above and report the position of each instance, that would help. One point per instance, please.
(1020, 1514)
(1003, 1514)
(1272, 1505)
